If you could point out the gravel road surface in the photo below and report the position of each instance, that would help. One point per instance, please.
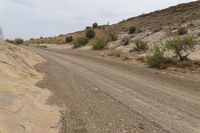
(104, 96)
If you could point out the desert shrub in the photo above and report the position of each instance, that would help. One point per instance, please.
(18, 41)
(95, 25)
(132, 30)
(157, 60)
(125, 41)
(88, 27)
(42, 46)
(80, 41)
(141, 45)
(90, 33)
(182, 47)
(10, 41)
(182, 31)
(115, 53)
(112, 36)
(100, 43)
(68, 39)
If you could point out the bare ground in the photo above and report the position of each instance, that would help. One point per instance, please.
(101, 96)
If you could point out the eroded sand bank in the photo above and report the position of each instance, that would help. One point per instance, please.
(22, 104)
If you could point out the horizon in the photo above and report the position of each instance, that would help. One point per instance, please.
(32, 19)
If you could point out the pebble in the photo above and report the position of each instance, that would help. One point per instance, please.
(96, 89)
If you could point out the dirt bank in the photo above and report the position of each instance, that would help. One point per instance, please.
(22, 104)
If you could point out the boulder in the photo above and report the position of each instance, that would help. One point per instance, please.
(127, 48)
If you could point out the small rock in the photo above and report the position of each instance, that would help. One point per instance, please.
(110, 124)
(102, 54)
(62, 111)
(54, 126)
(96, 89)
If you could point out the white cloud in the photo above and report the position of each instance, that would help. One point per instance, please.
(34, 18)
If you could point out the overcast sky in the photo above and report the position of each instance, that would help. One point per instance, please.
(35, 18)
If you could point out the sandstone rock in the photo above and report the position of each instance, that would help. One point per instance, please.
(127, 48)
(114, 44)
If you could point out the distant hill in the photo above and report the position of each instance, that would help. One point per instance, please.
(162, 19)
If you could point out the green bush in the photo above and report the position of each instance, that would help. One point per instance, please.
(68, 39)
(80, 41)
(90, 33)
(99, 43)
(141, 45)
(132, 30)
(182, 46)
(182, 31)
(95, 25)
(18, 41)
(157, 60)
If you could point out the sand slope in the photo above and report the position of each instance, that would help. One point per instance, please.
(22, 104)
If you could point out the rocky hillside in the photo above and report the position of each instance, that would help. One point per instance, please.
(167, 19)
(172, 16)
(157, 27)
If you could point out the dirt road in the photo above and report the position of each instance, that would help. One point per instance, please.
(101, 96)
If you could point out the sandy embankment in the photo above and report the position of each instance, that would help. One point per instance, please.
(22, 104)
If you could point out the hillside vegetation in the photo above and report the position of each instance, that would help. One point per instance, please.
(175, 31)
(171, 17)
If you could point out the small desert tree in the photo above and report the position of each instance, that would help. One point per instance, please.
(68, 39)
(182, 46)
(95, 25)
(90, 33)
